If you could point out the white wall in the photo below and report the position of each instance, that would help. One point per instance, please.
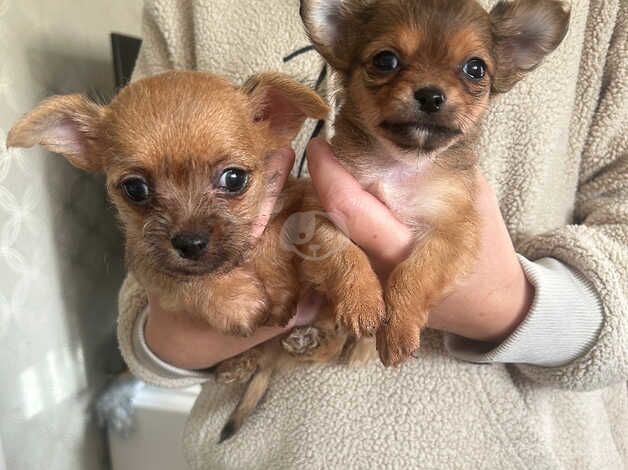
(2, 464)
(60, 257)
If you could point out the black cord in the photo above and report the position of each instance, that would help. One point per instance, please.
(297, 53)
(319, 81)
(319, 124)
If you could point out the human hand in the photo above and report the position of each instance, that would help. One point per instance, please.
(189, 343)
(487, 305)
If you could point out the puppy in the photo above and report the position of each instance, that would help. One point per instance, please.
(185, 155)
(415, 79)
(185, 158)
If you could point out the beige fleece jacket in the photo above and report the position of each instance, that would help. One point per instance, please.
(555, 150)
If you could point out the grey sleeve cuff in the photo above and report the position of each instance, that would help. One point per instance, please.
(150, 361)
(563, 323)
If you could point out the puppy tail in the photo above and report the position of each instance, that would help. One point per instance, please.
(255, 391)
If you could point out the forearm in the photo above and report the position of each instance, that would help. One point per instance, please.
(561, 325)
(487, 314)
(183, 343)
(186, 343)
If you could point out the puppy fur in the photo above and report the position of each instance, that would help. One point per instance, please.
(178, 133)
(408, 118)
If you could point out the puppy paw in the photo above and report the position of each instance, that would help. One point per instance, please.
(280, 315)
(241, 316)
(235, 304)
(302, 341)
(361, 311)
(396, 344)
(238, 369)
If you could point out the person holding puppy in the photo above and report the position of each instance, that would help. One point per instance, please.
(526, 361)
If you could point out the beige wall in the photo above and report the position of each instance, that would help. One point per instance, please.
(60, 258)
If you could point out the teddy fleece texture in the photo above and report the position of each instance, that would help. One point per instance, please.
(555, 150)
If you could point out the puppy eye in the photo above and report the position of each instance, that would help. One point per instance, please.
(386, 61)
(475, 68)
(136, 190)
(233, 180)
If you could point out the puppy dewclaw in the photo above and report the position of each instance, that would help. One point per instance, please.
(416, 78)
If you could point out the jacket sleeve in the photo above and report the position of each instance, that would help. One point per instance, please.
(596, 245)
(139, 358)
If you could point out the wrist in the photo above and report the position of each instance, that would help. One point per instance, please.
(511, 308)
(487, 308)
(188, 343)
(166, 340)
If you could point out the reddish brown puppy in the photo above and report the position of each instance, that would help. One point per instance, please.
(416, 78)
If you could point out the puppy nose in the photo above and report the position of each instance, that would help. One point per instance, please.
(430, 99)
(190, 245)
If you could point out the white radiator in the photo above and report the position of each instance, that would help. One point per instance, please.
(156, 441)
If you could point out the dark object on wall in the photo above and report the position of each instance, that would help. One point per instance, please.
(125, 50)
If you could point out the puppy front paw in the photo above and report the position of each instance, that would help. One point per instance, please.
(280, 315)
(395, 344)
(407, 315)
(361, 310)
(241, 315)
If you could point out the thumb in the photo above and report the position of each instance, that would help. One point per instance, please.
(364, 218)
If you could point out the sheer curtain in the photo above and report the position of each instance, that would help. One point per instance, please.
(60, 251)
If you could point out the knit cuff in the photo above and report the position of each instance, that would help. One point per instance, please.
(563, 323)
(149, 359)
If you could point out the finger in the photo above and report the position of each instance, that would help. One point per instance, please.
(363, 218)
(278, 166)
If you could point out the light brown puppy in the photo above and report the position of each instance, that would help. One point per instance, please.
(416, 78)
(185, 156)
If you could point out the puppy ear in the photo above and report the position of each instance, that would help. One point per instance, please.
(328, 24)
(283, 103)
(525, 31)
(62, 124)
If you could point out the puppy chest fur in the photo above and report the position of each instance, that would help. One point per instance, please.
(420, 195)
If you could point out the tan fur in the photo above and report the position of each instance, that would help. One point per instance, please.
(346, 277)
(178, 130)
(425, 176)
